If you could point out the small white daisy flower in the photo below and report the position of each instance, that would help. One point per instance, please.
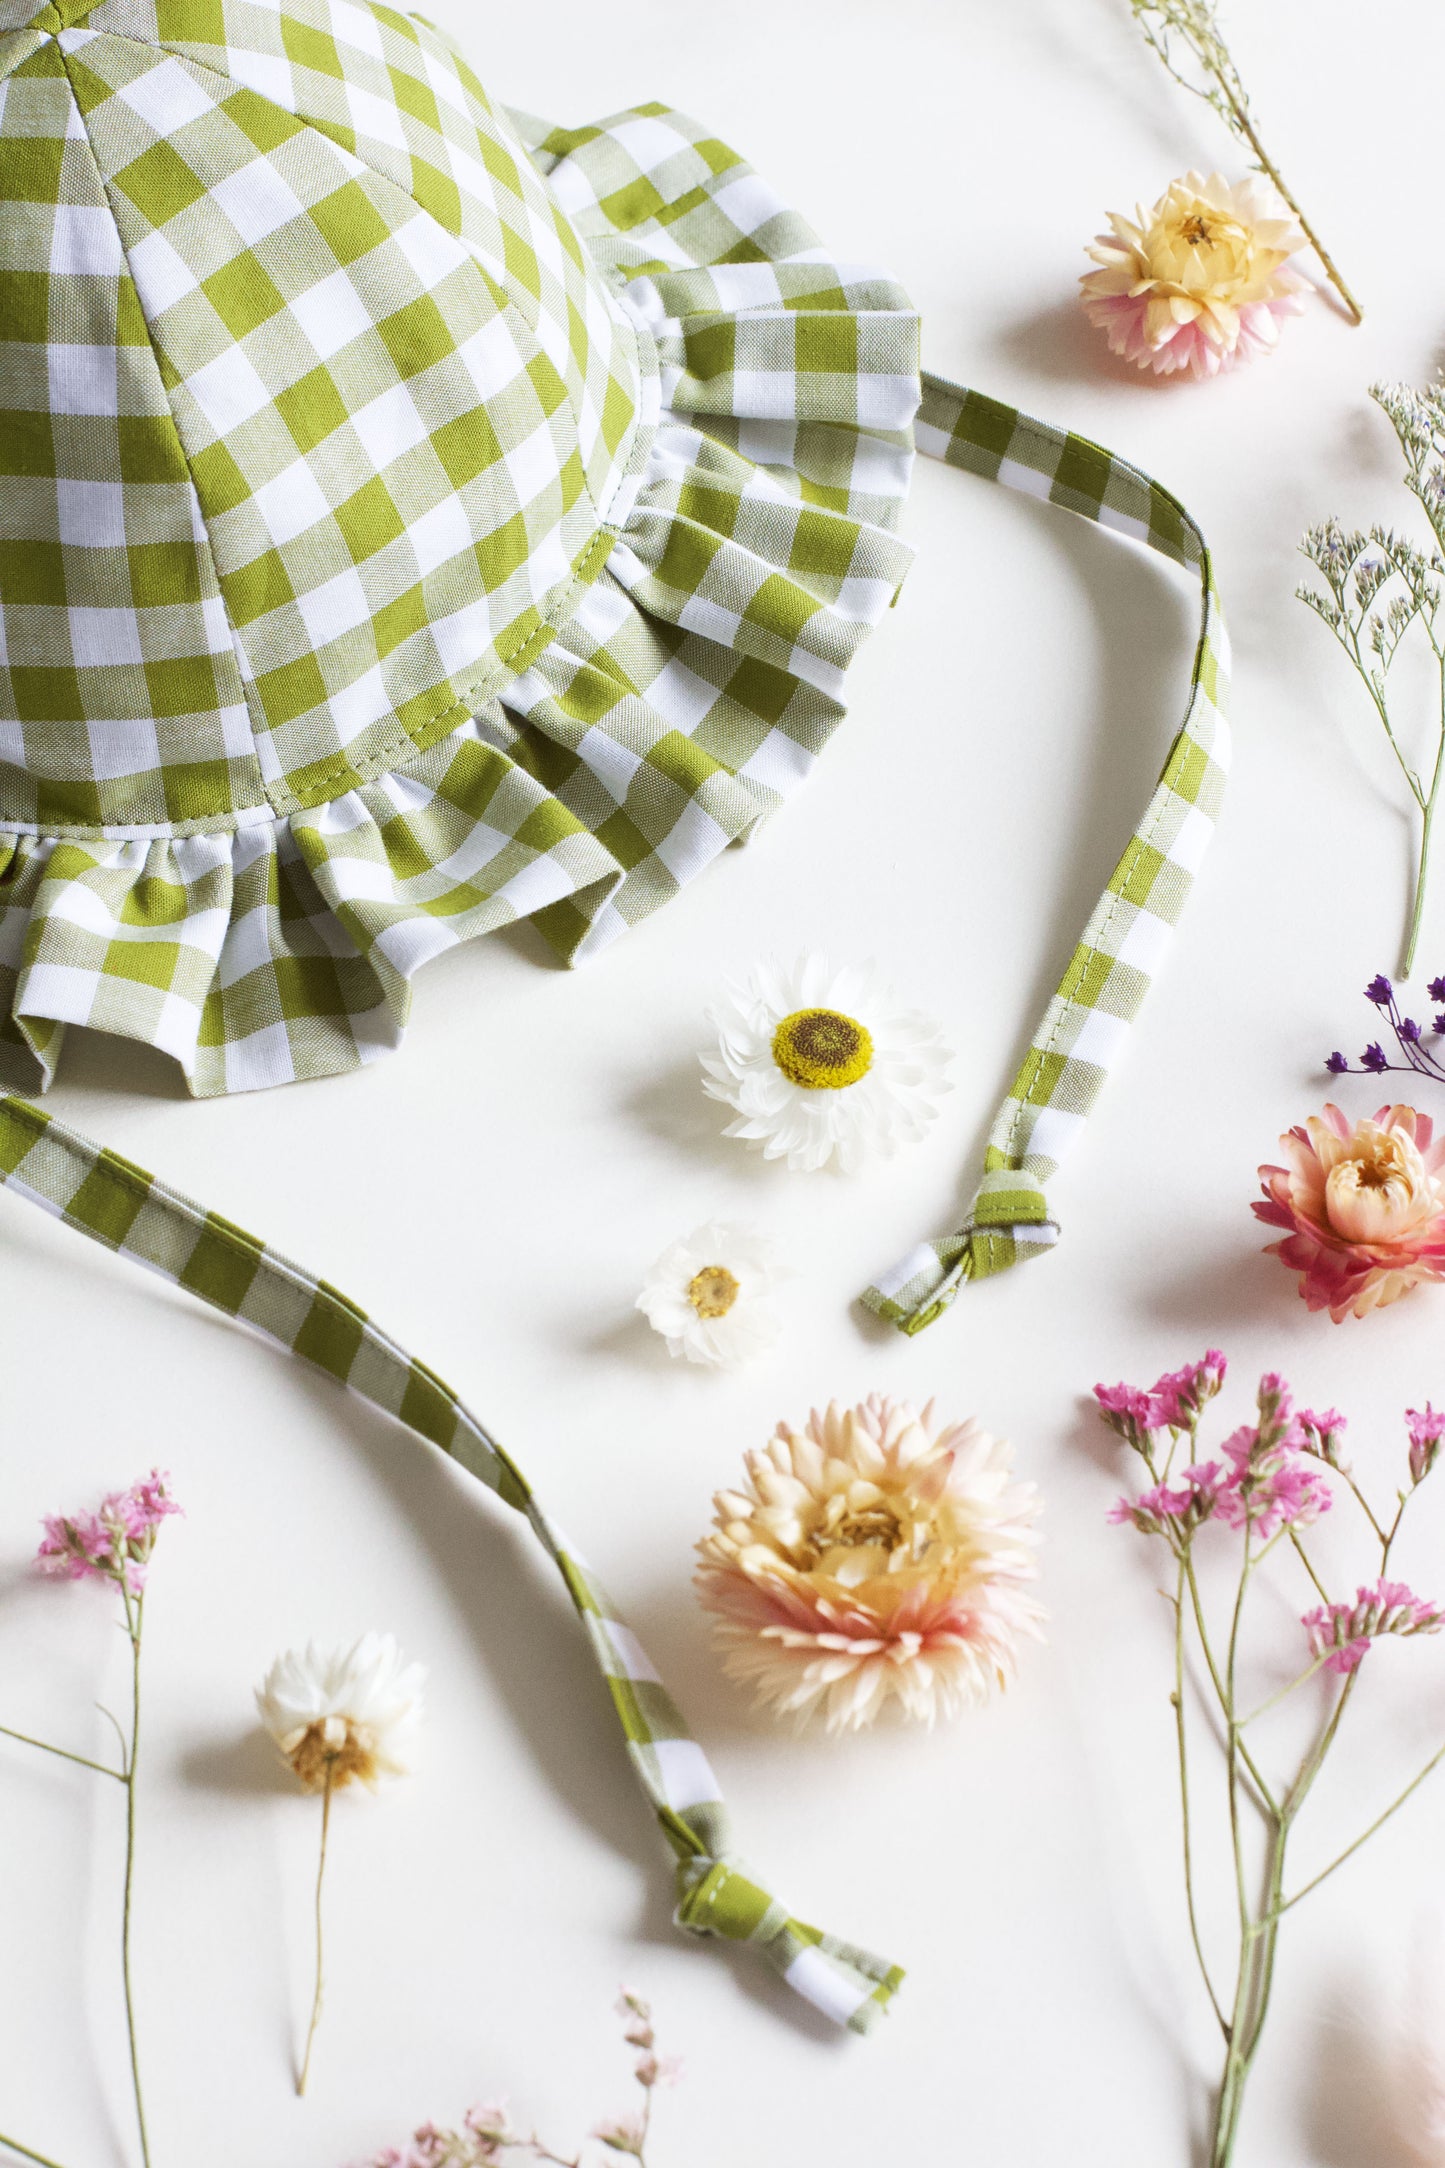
(338, 1713)
(824, 1065)
(708, 1294)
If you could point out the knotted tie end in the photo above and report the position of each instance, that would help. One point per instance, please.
(1008, 1221)
(849, 1985)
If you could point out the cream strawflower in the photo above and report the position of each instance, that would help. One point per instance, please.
(875, 1556)
(337, 1714)
(708, 1294)
(1202, 281)
(823, 1065)
(340, 1713)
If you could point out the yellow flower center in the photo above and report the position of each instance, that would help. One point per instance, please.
(873, 1526)
(822, 1050)
(1195, 230)
(713, 1291)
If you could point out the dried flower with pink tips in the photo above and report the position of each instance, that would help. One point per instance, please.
(1427, 1427)
(1200, 283)
(1363, 1208)
(488, 2137)
(113, 1543)
(1341, 1633)
(878, 1557)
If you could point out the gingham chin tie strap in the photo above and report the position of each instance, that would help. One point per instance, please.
(128, 1210)
(1085, 1027)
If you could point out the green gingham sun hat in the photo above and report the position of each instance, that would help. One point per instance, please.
(413, 519)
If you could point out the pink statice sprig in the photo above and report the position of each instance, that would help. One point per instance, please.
(1174, 1402)
(115, 1541)
(1342, 1633)
(487, 2137)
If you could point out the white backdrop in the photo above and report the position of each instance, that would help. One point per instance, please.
(494, 1193)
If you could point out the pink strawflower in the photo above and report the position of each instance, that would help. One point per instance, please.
(1201, 282)
(112, 1544)
(1427, 1428)
(1181, 1509)
(1363, 1208)
(1342, 1632)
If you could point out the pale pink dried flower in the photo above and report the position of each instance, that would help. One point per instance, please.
(1201, 282)
(877, 1556)
(623, 2134)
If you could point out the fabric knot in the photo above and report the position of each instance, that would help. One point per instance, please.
(717, 1896)
(1008, 1221)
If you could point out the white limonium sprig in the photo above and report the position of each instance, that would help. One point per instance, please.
(340, 1716)
(1185, 35)
(1380, 588)
(824, 1066)
(708, 1294)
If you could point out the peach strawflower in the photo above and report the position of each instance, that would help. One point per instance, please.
(876, 1556)
(1202, 282)
(1363, 1207)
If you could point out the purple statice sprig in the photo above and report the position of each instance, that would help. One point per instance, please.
(1408, 1033)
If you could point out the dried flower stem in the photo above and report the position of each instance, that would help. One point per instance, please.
(319, 1996)
(1357, 567)
(1261, 1901)
(1194, 22)
(42, 2160)
(134, 1613)
(134, 1620)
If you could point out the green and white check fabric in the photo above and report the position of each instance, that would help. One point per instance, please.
(404, 529)
(1086, 1025)
(128, 1210)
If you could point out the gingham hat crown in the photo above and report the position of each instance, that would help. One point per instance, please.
(413, 519)
(311, 424)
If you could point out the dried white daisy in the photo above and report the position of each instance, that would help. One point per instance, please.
(824, 1065)
(708, 1294)
(339, 1715)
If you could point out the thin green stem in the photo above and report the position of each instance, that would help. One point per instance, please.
(1232, 1738)
(65, 1755)
(1304, 1558)
(320, 1943)
(1287, 1903)
(1422, 870)
(1177, 1697)
(1283, 1693)
(26, 2152)
(1266, 1800)
(134, 1619)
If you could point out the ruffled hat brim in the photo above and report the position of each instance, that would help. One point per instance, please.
(689, 693)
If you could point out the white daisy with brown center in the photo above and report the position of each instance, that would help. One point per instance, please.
(709, 1294)
(823, 1066)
